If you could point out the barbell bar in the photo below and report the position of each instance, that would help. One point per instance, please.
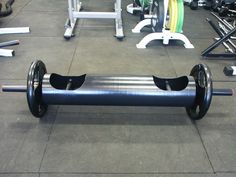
(193, 92)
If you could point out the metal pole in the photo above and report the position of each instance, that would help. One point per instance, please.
(9, 43)
(70, 10)
(218, 18)
(75, 5)
(14, 88)
(216, 44)
(118, 8)
(223, 92)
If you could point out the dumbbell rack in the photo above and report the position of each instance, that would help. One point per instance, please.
(166, 35)
(74, 7)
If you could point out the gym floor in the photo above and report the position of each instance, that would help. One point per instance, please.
(85, 141)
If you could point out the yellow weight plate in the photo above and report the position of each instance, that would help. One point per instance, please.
(175, 20)
(170, 25)
(173, 11)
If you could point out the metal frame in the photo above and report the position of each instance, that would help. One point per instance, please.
(225, 33)
(17, 30)
(131, 8)
(7, 52)
(165, 35)
(74, 7)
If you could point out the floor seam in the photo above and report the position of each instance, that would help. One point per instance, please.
(175, 71)
(49, 135)
(20, 9)
(73, 56)
(20, 148)
(204, 147)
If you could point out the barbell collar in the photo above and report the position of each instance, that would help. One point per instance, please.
(14, 88)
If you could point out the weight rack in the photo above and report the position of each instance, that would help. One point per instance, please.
(74, 9)
(158, 18)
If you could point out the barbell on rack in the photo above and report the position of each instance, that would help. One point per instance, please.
(193, 92)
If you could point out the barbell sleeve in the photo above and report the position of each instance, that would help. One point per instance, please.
(14, 88)
(223, 92)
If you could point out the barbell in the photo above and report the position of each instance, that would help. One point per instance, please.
(193, 92)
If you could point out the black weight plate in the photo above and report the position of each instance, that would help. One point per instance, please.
(158, 15)
(215, 4)
(194, 5)
(34, 88)
(208, 5)
(204, 88)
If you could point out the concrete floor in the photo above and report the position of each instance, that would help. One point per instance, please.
(87, 141)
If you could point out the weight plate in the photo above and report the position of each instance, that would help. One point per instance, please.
(157, 20)
(137, 2)
(204, 88)
(215, 4)
(194, 5)
(173, 9)
(180, 16)
(34, 88)
(144, 3)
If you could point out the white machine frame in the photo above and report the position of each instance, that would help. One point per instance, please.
(131, 8)
(165, 35)
(74, 7)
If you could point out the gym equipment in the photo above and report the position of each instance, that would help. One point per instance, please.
(207, 4)
(75, 13)
(225, 32)
(226, 7)
(230, 70)
(141, 6)
(193, 92)
(9, 52)
(6, 12)
(165, 27)
(133, 8)
(194, 4)
(3, 13)
(8, 9)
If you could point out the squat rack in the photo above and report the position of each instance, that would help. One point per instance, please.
(74, 9)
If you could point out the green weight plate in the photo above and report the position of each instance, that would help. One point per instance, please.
(180, 18)
(144, 3)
